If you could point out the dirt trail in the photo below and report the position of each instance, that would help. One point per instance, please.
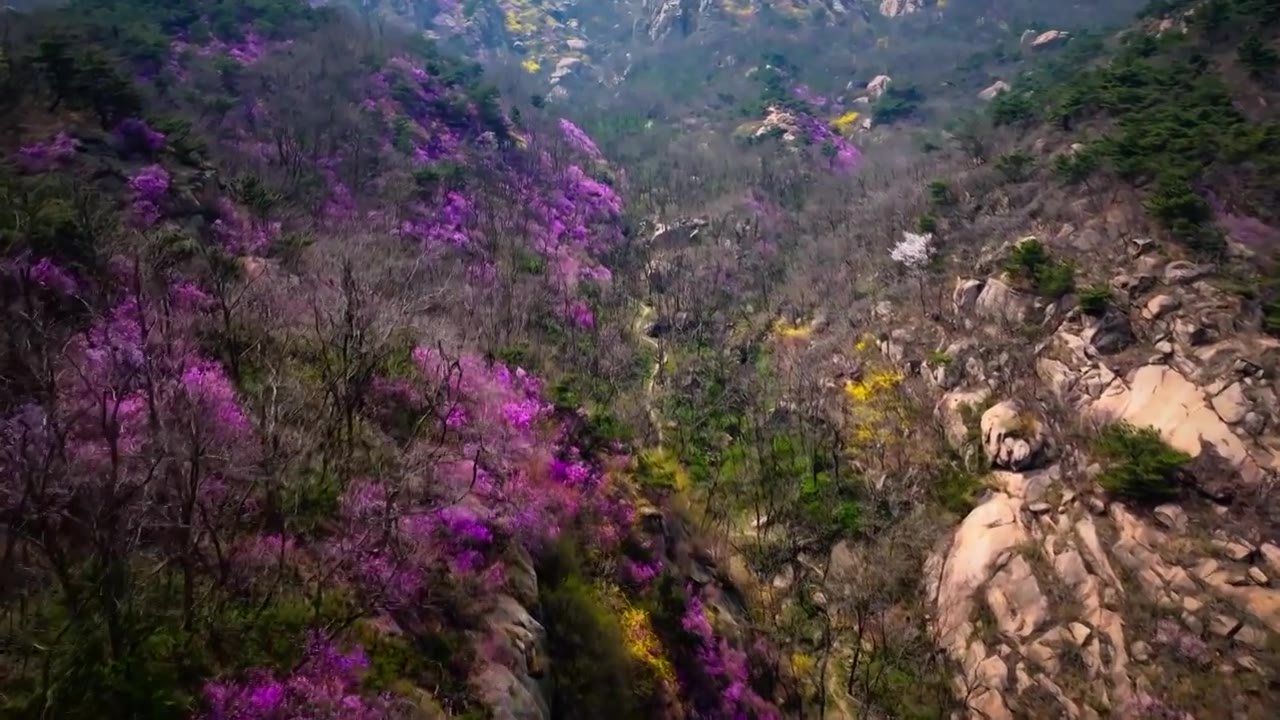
(645, 320)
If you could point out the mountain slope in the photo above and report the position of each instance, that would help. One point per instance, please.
(269, 445)
(672, 359)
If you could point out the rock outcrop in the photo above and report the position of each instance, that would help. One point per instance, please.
(896, 8)
(1049, 38)
(1012, 438)
(878, 85)
(993, 90)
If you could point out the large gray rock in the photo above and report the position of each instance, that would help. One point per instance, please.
(1050, 38)
(1159, 306)
(878, 85)
(999, 301)
(951, 411)
(1110, 333)
(1162, 397)
(965, 297)
(993, 90)
(513, 689)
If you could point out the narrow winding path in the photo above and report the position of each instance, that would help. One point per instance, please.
(645, 320)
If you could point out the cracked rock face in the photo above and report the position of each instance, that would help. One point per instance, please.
(1162, 397)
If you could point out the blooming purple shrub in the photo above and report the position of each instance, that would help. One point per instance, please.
(326, 686)
(148, 187)
(723, 689)
(137, 136)
(150, 183)
(42, 157)
(44, 274)
(842, 154)
(240, 234)
(640, 575)
(1188, 646)
(579, 140)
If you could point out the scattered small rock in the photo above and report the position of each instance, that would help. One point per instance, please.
(878, 85)
(1172, 516)
(1159, 306)
(1223, 625)
(1140, 651)
(1271, 555)
(1248, 662)
(1254, 423)
(1232, 550)
(1252, 636)
(1193, 623)
(1258, 577)
(1049, 38)
(1181, 272)
(1011, 437)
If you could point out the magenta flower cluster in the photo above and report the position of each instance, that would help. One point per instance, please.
(44, 274)
(326, 686)
(240, 234)
(148, 187)
(42, 157)
(844, 155)
(579, 140)
(248, 50)
(136, 136)
(724, 690)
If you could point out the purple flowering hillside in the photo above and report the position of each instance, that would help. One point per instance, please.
(305, 410)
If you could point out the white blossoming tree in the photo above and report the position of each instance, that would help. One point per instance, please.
(913, 252)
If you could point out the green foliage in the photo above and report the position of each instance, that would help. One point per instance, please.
(595, 675)
(1095, 299)
(1015, 166)
(156, 667)
(520, 355)
(1073, 168)
(1137, 463)
(1012, 108)
(1184, 213)
(404, 664)
(86, 77)
(181, 138)
(85, 682)
(897, 103)
(1172, 121)
(956, 488)
(940, 193)
(1268, 290)
(939, 358)
(1259, 59)
(896, 679)
(1031, 262)
(927, 224)
(441, 176)
(659, 469)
